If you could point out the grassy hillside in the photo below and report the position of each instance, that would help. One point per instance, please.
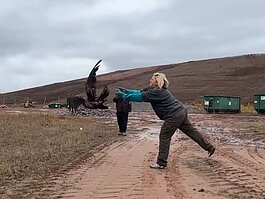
(236, 76)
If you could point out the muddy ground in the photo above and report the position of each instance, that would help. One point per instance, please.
(236, 170)
(121, 170)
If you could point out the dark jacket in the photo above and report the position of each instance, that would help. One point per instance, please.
(163, 102)
(122, 105)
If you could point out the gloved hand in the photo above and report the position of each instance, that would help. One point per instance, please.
(125, 90)
(121, 94)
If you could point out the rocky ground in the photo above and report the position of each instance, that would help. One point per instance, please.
(236, 170)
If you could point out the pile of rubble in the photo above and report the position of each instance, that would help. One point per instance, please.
(86, 112)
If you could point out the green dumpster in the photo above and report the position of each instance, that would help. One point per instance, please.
(259, 103)
(55, 105)
(222, 104)
(65, 106)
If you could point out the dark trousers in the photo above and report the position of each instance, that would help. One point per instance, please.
(182, 122)
(122, 118)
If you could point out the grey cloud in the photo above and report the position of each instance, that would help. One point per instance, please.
(44, 35)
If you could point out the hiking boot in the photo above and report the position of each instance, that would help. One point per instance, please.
(156, 166)
(124, 134)
(120, 133)
(211, 151)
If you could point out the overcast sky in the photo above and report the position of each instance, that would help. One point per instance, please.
(48, 41)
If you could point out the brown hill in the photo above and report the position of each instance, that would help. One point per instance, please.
(241, 76)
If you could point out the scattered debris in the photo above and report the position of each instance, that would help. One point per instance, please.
(86, 112)
(2, 106)
(29, 104)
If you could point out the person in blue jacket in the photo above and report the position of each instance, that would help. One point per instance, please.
(171, 111)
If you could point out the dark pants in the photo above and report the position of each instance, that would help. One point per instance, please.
(179, 121)
(122, 118)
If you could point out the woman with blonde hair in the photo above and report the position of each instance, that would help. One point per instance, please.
(171, 111)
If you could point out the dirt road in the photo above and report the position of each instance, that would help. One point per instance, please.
(236, 170)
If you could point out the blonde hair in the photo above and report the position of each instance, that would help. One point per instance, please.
(161, 79)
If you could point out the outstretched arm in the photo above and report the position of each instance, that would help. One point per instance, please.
(129, 91)
(135, 97)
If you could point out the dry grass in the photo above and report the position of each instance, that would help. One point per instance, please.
(244, 107)
(199, 104)
(248, 108)
(37, 145)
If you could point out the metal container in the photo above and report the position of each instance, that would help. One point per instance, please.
(259, 103)
(55, 105)
(222, 104)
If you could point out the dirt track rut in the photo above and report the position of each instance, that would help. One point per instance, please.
(121, 170)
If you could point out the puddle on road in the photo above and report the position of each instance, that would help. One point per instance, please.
(149, 132)
(224, 128)
(232, 129)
